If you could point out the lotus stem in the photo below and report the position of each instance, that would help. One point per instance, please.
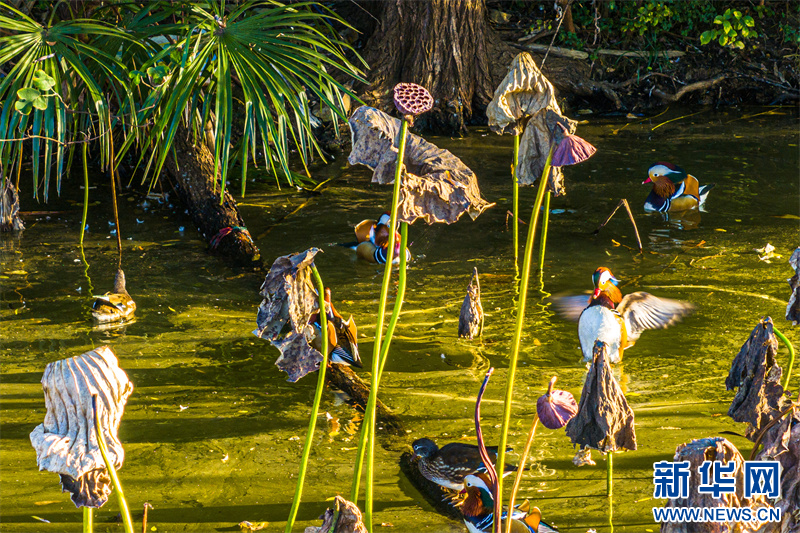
(521, 466)
(112, 472)
(491, 471)
(791, 355)
(516, 200)
(609, 474)
(88, 519)
(545, 225)
(398, 304)
(85, 193)
(523, 295)
(312, 424)
(368, 426)
(112, 167)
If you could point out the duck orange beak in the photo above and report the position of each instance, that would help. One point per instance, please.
(648, 180)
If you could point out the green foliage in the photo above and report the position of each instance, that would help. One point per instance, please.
(736, 28)
(649, 17)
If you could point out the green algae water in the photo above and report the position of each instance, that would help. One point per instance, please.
(213, 431)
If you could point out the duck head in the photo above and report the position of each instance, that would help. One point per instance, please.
(664, 177)
(605, 283)
(479, 496)
(424, 448)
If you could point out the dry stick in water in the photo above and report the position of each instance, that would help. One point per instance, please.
(622, 203)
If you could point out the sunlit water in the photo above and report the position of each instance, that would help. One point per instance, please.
(213, 431)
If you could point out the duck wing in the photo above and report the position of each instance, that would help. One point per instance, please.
(571, 307)
(642, 310)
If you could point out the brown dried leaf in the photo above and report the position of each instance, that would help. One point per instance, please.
(297, 357)
(348, 521)
(289, 295)
(604, 420)
(793, 309)
(436, 185)
(9, 207)
(711, 449)
(756, 374)
(470, 321)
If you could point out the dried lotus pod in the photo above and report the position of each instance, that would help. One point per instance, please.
(470, 320)
(556, 408)
(412, 100)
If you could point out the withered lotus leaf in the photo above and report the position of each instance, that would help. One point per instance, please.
(525, 103)
(782, 443)
(572, 150)
(755, 372)
(793, 308)
(470, 320)
(289, 295)
(436, 185)
(556, 408)
(712, 449)
(604, 420)
(412, 99)
(66, 443)
(9, 207)
(298, 357)
(345, 517)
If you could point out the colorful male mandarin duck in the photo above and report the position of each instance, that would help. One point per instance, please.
(373, 241)
(342, 335)
(674, 189)
(615, 320)
(116, 305)
(447, 466)
(478, 510)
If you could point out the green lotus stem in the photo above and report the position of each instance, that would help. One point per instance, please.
(791, 355)
(368, 425)
(609, 474)
(523, 295)
(545, 224)
(312, 424)
(85, 193)
(88, 520)
(521, 468)
(398, 304)
(112, 472)
(516, 201)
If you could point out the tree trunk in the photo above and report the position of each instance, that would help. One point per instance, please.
(447, 47)
(191, 172)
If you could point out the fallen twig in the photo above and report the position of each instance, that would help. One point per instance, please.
(622, 203)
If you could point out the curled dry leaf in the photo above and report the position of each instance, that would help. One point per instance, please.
(556, 408)
(604, 420)
(436, 185)
(525, 103)
(289, 295)
(9, 207)
(66, 442)
(470, 321)
(298, 357)
(793, 309)
(712, 449)
(785, 440)
(756, 374)
(349, 519)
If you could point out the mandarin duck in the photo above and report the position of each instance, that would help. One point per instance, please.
(478, 510)
(617, 321)
(373, 241)
(447, 466)
(116, 305)
(342, 335)
(674, 189)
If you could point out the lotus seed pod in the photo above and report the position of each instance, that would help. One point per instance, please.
(412, 99)
(556, 408)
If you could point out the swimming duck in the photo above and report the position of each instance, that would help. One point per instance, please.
(373, 241)
(615, 320)
(447, 466)
(342, 335)
(674, 189)
(116, 305)
(478, 510)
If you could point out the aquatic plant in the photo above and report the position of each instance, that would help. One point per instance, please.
(72, 439)
(604, 420)
(491, 470)
(556, 407)
(470, 319)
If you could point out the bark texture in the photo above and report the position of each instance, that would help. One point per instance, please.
(193, 178)
(447, 47)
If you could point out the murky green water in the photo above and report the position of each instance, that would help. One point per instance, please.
(211, 430)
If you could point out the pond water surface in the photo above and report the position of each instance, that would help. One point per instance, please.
(213, 431)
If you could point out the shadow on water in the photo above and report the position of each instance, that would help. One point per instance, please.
(213, 432)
